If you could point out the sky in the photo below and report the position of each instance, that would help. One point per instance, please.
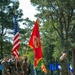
(28, 9)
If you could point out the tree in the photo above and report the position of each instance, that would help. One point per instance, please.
(61, 14)
(7, 10)
(47, 37)
(25, 35)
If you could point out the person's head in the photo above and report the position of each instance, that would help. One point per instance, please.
(5, 57)
(63, 51)
(25, 58)
(64, 55)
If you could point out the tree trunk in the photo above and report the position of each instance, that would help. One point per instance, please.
(1, 48)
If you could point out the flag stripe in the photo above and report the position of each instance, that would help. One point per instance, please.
(16, 53)
(16, 41)
(16, 46)
(17, 35)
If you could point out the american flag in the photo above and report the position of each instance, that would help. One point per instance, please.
(16, 40)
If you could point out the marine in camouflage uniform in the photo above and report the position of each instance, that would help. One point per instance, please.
(26, 67)
(5, 65)
(19, 66)
(64, 63)
(12, 65)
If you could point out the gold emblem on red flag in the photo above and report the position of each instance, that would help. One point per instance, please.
(36, 41)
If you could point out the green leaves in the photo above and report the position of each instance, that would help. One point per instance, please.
(57, 19)
(7, 9)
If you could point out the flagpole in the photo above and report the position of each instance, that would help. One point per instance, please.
(35, 70)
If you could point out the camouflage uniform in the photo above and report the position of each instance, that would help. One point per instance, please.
(26, 67)
(64, 63)
(5, 67)
(12, 66)
(19, 66)
(64, 66)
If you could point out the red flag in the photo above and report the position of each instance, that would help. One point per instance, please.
(16, 41)
(43, 68)
(36, 44)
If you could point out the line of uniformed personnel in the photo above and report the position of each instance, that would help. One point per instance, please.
(15, 67)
